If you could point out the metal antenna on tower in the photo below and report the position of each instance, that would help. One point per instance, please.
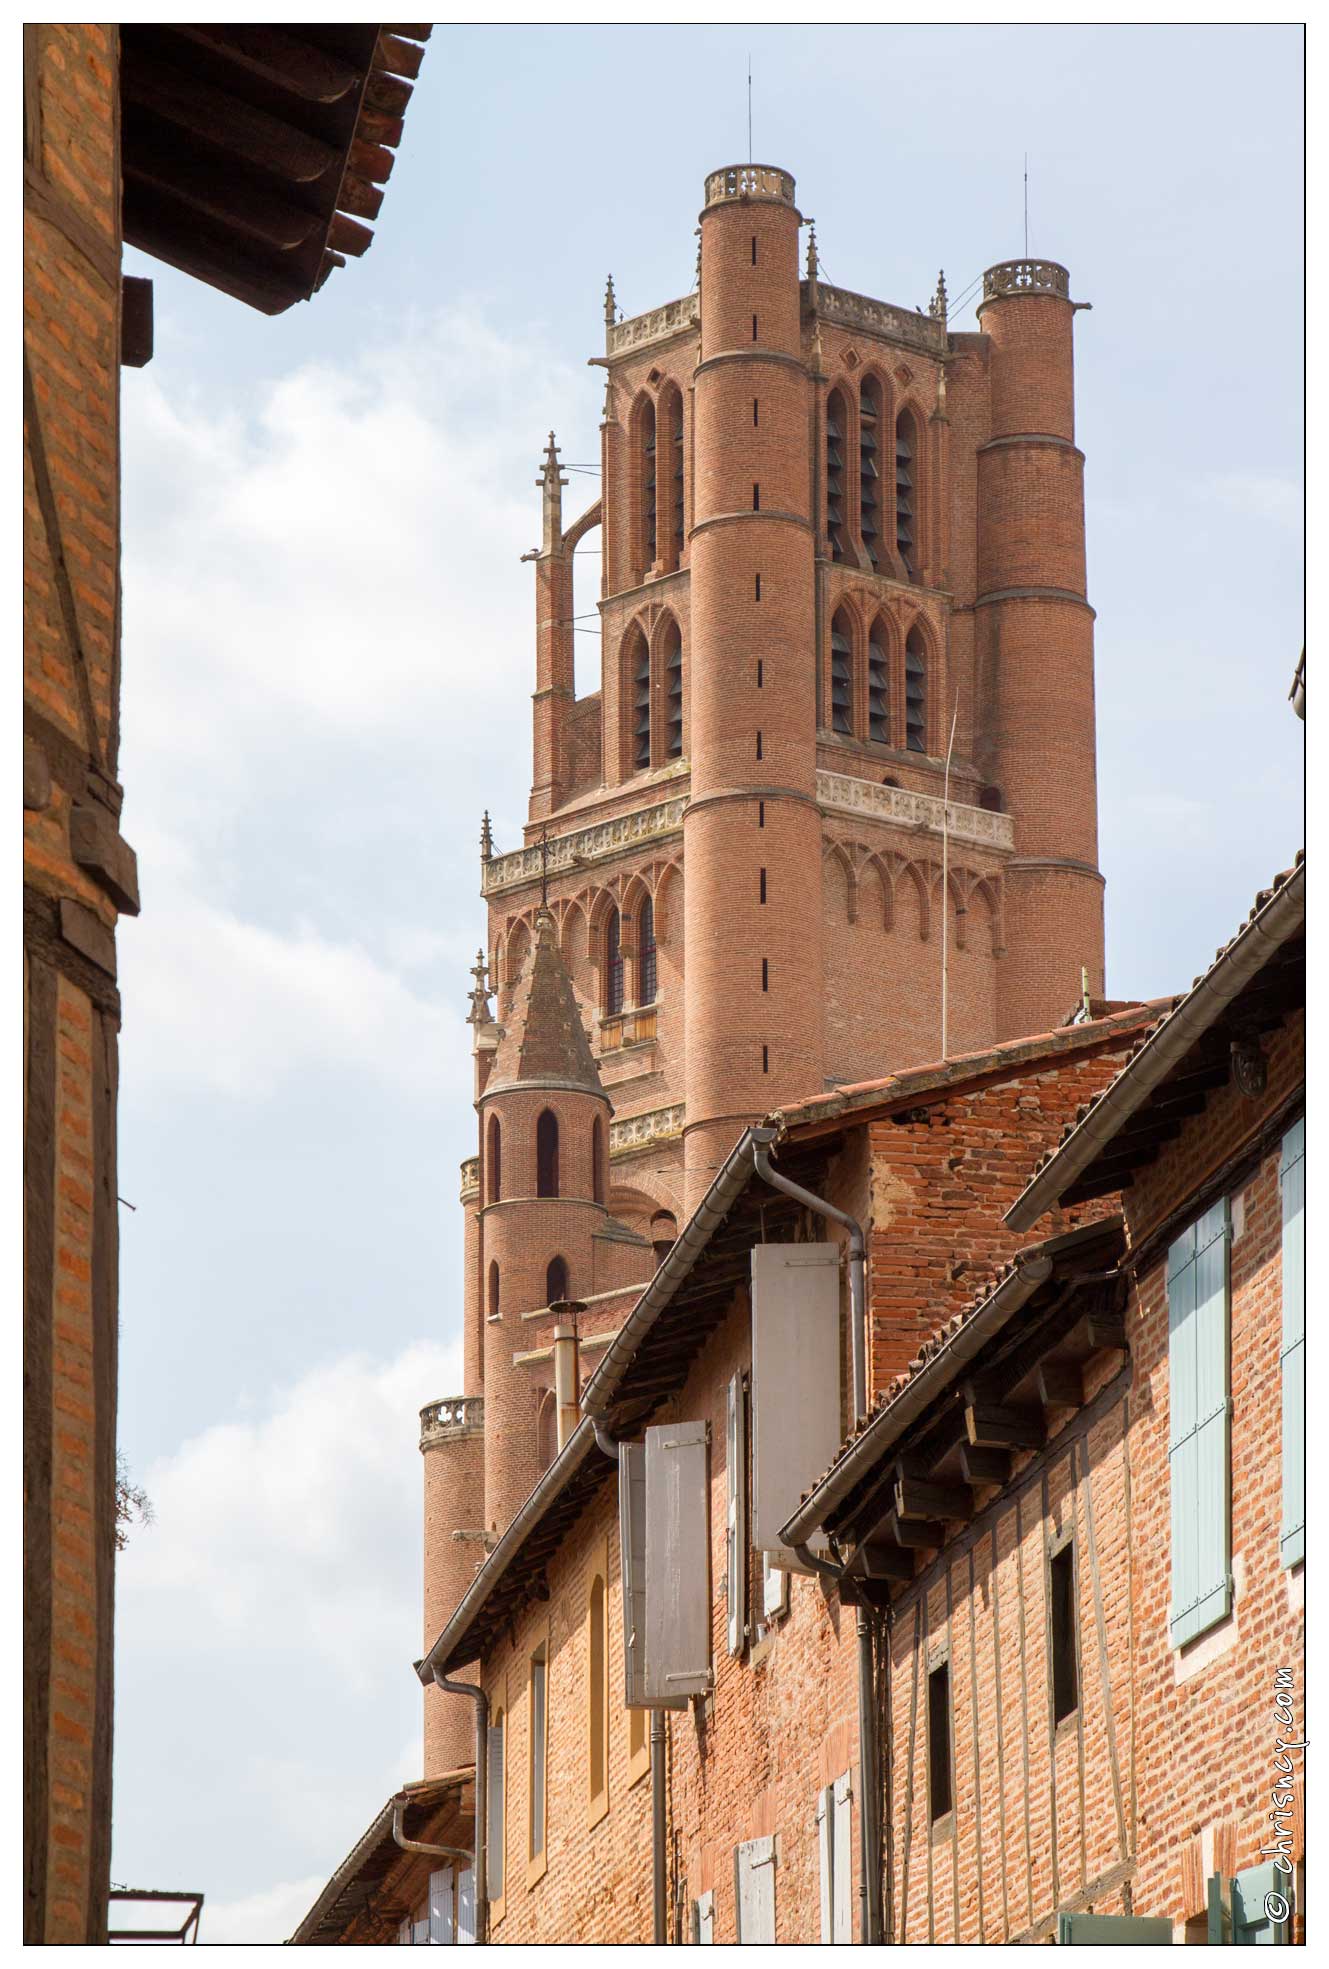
(1026, 205)
(749, 108)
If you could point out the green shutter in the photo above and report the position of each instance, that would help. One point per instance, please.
(1113, 1930)
(1198, 1398)
(1253, 1893)
(1292, 1181)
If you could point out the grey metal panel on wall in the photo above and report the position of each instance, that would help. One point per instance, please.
(796, 1427)
(678, 1562)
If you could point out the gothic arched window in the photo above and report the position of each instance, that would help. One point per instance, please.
(598, 1160)
(906, 484)
(637, 691)
(837, 433)
(613, 963)
(493, 1288)
(648, 485)
(556, 1281)
(842, 673)
(647, 970)
(671, 477)
(869, 504)
(915, 691)
(673, 690)
(494, 1159)
(879, 689)
(546, 1154)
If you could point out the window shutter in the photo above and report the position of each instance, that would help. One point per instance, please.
(466, 1905)
(678, 1571)
(703, 1918)
(1292, 1182)
(496, 1810)
(632, 1551)
(774, 1588)
(736, 1510)
(826, 1850)
(842, 1873)
(754, 1890)
(1250, 1922)
(404, 1932)
(420, 1927)
(1112, 1930)
(1198, 1396)
(440, 1905)
(795, 1382)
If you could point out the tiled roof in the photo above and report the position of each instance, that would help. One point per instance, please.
(545, 1041)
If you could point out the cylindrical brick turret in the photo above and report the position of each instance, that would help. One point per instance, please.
(452, 1445)
(752, 831)
(1035, 644)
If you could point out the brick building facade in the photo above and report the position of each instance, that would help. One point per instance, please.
(238, 155)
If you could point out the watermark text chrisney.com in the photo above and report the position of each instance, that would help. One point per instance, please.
(1279, 1848)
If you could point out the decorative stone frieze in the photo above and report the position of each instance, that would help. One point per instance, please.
(657, 325)
(1026, 277)
(842, 794)
(639, 1131)
(470, 1178)
(848, 310)
(588, 844)
(447, 1420)
(750, 181)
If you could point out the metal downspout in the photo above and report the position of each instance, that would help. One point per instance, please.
(481, 1701)
(659, 1745)
(399, 1805)
(869, 1812)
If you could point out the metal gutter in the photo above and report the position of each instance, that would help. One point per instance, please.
(1282, 916)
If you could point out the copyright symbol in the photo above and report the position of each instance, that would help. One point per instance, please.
(1276, 1908)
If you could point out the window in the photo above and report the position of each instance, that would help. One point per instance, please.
(761, 883)
(879, 693)
(905, 468)
(538, 1737)
(1061, 1591)
(546, 1154)
(1198, 1401)
(1292, 1182)
(597, 1160)
(869, 503)
(556, 1281)
(939, 1741)
(842, 673)
(493, 1288)
(648, 477)
(673, 691)
(494, 1159)
(637, 676)
(614, 963)
(664, 1234)
(736, 1513)
(597, 1702)
(647, 975)
(915, 691)
(837, 1864)
(496, 1812)
(837, 425)
(765, 973)
(754, 1890)
(440, 1905)
(671, 460)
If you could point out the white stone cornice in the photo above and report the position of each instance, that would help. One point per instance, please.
(840, 793)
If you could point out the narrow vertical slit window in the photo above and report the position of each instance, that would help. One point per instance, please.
(759, 745)
(597, 1160)
(546, 1154)
(647, 972)
(906, 466)
(556, 1281)
(842, 674)
(761, 887)
(614, 964)
(939, 1741)
(674, 426)
(754, 328)
(765, 973)
(496, 1806)
(761, 813)
(837, 424)
(538, 1722)
(756, 498)
(879, 694)
(1065, 1693)
(754, 249)
(637, 679)
(765, 1059)
(493, 1288)
(915, 692)
(648, 485)
(757, 596)
(759, 673)
(494, 1159)
(673, 688)
(754, 413)
(869, 504)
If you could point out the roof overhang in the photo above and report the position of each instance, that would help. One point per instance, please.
(362, 1873)
(1251, 986)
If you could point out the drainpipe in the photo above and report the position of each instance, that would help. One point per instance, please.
(481, 1701)
(567, 1350)
(659, 1748)
(399, 1804)
(869, 1813)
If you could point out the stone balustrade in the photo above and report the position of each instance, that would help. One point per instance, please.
(470, 1178)
(1026, 277)
(656, 325)
(842, 794)
(849, 310)
(588, 844)
(639, 1131)
(447, 1420)
(750, 181)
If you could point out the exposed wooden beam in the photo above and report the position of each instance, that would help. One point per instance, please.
(280, 58)
(176, 171)
(881, 1559)
(918, 1534)
(398, 56)
(1106, 1330)
(226, 121)
(984, 1466)
(387, 93)
(993, 1426)
(359, 196)
(916, 1498)
(1060, 1384)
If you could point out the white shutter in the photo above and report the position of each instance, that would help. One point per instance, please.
(826, 1852)
(404, 1930)
(440, 1905)
(420, 1927)
(466, 1905)
(754, 1890)
(795, 1382)
(774, 1588)
(703, 1918)
(678, 1571)
(496, 1810)
(736, 1514)
(843, 1869)
(632, 1551)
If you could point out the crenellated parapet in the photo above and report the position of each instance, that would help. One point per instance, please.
(1026, 277)
(451, 1419)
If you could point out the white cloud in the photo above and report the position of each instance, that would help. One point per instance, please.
(1259, 496)
(268, 1916)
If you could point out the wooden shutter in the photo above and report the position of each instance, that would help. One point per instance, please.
(420, 1927)
(736, 1513)
(440, 1905)
(1198, 1397)
(703, 1918)
(678, 1571)
(1112, 1929)
(754, 1890)
(1292, 1182)
(826, 1855)
(774, 1588)
(795, 1382)
(466, 1905)
(1249, 1891)
(842, 1872)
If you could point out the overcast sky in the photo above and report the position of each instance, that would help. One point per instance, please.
(328, 660)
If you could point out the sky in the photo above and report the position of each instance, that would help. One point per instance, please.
(327, 666)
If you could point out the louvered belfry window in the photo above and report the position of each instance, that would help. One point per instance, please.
(915, 692)
(842, 674)
(879, 691)
(648, 483)
(639, 684)
(677, 482)
(837, 424)
(905, 475)
(647, 970)
(869, 505)
(614, 964)
(673, 685)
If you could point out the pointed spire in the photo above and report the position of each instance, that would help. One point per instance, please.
(610, 315)
(812, 250)
(479, 1014)
(486, 838)
(545, 1042)
(938, 304)
(552, 482)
